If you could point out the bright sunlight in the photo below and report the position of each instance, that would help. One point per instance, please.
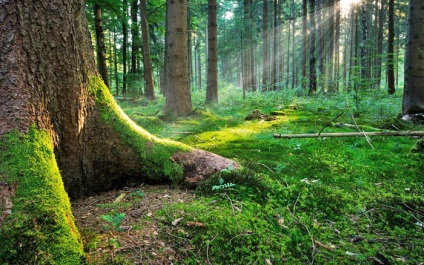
(346, 5)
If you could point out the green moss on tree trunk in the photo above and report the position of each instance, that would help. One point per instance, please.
(40, 228)
(155, 153)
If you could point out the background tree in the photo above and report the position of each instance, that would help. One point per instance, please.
(147, 61)
(212, 88)
(100, 43)
(413, 96)
(178, 99)
(390, 50)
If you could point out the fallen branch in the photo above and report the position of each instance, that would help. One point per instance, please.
(348, 134)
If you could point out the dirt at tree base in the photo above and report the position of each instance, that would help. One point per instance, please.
(141, 236)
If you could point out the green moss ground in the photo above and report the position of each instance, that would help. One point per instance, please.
(40, 229)
(364, 204)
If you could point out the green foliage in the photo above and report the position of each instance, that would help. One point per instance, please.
(40, 229)
(115, 220)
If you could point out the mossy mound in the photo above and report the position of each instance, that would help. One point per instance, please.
(40, 228)
(154, 153)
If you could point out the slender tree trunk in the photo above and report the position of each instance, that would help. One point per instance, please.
(115, 63)
(304, 42)
(363, 46)
(337, 47)
(135, 47)
(190, 46)
(212, 88)
(265, 47)
(199, 65)
(312, 58)
(100, 43)
(378, 61)
(331, 39)
(275, 44)
(390, 50)
(320, 43)
(413, 95)
(148, 69)
(178, 99)
(124, 47)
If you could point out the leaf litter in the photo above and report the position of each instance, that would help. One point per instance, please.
(141, 237)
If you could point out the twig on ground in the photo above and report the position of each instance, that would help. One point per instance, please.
(207, 249)
(328, 123)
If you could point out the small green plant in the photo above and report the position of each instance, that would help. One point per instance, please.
(222, 184)
(115, 219)
(137, 194)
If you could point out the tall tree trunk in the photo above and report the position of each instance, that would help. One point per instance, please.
(124, 46)
(363, 45)
(190, 45)
(337, 47)
(304, 42)
(212, 87)
(275, 44)
(147, 61)
(319, 43)
(135, 47)
(265, 47)
(413, 95)
(115, 63)
(178, 99)
(380, 32)
(52, 100)
(312, 58)
(100, 43)
(390, 50)
(331, 39)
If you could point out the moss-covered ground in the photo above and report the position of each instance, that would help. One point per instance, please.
(299, 201)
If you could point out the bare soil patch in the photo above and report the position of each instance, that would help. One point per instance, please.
(141, 237)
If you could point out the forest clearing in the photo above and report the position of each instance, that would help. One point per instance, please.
(211, 132)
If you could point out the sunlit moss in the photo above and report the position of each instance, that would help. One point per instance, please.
(40, 228)
(154, 152)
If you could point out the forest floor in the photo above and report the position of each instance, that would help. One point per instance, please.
(350, 200)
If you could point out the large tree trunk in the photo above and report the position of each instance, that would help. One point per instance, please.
(413, 95)
(51, 99)
(212, 87)
(147, 61)
(178, 99)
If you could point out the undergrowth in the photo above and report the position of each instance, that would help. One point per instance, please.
(299, 201)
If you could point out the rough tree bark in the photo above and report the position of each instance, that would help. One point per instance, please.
(147, 61)
(178, 99)
(212, 86)
(52, 99)
(413, 95)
